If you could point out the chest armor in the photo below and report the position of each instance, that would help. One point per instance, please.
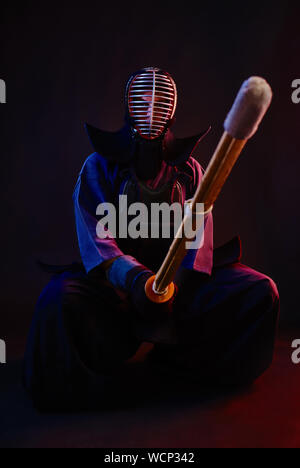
(151, 251)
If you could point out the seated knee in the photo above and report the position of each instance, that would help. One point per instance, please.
(267, 289)
(271, 288)
(262, 284)
(57, 290)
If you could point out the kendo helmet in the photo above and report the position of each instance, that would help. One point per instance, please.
(150, 99)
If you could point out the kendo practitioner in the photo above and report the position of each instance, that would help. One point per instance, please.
(92, 318)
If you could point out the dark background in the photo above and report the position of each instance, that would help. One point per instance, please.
(64, 65)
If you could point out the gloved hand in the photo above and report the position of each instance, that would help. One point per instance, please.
(145, 307)
(127, 274)
(152, 319)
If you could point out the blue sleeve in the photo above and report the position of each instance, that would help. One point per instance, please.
(95, 185)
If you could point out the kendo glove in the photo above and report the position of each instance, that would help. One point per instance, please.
(127, 274)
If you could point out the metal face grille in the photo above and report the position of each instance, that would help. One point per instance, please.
(152, 99)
